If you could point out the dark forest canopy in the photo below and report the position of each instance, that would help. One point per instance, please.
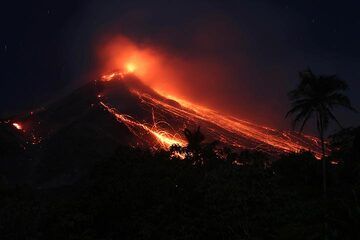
(213, 193)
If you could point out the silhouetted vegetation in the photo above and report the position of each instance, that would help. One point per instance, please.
(202, 192)
(345, 147)
(318, 95)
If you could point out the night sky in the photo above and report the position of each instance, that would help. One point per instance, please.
(47, 48)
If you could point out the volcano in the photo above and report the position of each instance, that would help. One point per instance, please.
(57, 142)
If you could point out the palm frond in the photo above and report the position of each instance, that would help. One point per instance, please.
(317, 94)
(339, 99)
(298, 108)
(302, 115)
(307, 117)
(333, 83)
(332, 116)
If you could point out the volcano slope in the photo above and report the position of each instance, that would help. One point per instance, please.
(147, 112)
(58, 143)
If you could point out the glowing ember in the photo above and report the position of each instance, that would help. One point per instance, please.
(18, 126)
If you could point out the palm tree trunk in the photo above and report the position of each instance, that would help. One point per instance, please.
(324, 165)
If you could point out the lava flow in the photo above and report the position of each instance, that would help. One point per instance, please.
(177, 113)
(164, 138)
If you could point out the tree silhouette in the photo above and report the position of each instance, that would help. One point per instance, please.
(194, 139)
(197, 151)
(345, 147)
(318, 95)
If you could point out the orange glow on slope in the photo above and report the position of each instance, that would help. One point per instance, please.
(285, 141)
(18, 126)
(164, 138)
(227, 129)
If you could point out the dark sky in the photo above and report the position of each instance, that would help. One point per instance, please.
(47, 47)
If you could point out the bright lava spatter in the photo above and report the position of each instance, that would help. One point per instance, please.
(226, 129)
(163, 137)
(18, 126)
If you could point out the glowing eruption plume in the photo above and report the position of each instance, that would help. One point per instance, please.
(130, 67)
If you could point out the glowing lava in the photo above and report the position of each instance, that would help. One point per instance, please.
(18, 126)
(228, 130)
(164, 138)
(114, 75)
(264, 136)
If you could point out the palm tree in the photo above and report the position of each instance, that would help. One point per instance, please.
(317, 95)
